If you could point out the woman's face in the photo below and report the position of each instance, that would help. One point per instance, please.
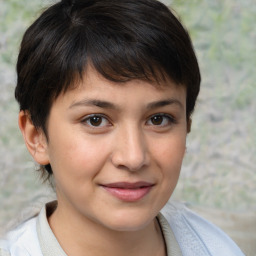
(116, 149)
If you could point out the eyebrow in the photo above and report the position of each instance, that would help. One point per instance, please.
(109, 105)
(162, 103)
(93, 102)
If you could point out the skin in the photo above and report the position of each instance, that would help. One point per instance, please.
(138, 134)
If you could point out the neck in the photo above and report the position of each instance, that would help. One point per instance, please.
(70, 232)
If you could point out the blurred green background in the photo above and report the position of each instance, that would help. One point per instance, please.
(219, 170)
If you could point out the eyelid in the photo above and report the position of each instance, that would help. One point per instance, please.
(171, 119)
(87, 117)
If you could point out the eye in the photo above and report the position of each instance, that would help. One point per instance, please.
(96, 121)
(161, 120)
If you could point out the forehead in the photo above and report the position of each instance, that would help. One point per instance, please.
(95, 86)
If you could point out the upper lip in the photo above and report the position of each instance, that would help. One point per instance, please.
(129, 185)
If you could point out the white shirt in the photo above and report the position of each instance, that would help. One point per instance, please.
(185, 233)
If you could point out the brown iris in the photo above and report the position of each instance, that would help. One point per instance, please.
(157, 120)
(95, 120)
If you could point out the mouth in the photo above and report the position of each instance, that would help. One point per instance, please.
(128, 192)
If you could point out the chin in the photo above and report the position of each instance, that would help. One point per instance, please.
(130, 221)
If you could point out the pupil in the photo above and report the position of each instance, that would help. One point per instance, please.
(157, 120)
(95, 120)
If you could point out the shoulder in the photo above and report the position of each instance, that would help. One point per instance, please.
(21, 241)
(195, 235)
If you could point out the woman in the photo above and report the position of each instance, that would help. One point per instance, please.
(106, 91)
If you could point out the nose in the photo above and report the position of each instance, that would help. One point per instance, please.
(130, 150)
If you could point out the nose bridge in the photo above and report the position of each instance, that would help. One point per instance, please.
(131, 150)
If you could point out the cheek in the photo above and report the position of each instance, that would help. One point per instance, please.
(77, 158)
(168, 156)
(170, 152)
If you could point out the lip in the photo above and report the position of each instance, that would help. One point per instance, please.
(128, 192)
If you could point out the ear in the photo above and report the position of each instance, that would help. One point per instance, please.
(189, 124)
(34, 138)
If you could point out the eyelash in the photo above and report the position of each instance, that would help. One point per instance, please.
(89, 118)
(102, 118)
(170, 119)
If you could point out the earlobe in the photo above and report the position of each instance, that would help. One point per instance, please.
(34, 138)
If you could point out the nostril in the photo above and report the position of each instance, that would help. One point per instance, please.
(128, 162)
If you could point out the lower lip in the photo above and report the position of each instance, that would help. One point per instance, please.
(128, 195)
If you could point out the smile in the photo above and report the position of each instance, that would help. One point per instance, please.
(129, 192)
